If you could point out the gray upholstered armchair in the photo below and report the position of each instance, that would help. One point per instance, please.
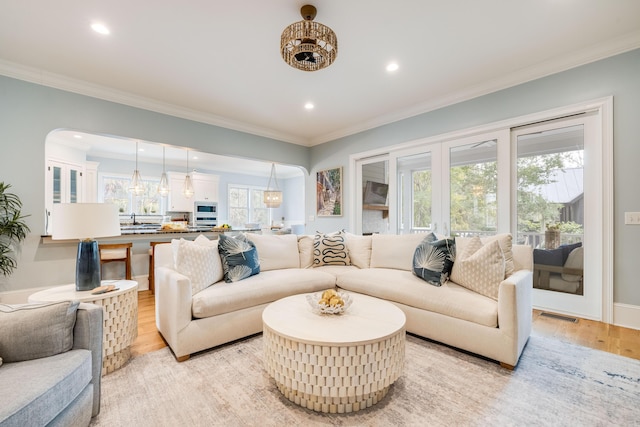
(51, 362)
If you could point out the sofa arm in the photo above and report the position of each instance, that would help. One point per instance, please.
(88, 334)
(173, 304)
(515, 306)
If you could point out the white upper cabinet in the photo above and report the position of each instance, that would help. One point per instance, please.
(204, 185)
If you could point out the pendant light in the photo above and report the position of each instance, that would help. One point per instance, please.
(188, 185)
(136, 186)
(163, 188)
(273, 195)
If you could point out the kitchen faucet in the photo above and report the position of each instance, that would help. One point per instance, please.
(133, 217)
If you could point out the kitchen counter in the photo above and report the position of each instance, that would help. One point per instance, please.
(147, 233)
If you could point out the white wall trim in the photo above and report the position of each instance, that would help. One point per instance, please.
(626, 315)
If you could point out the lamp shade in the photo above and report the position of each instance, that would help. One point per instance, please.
(84, 221)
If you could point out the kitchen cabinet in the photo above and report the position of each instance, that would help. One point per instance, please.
(205, 187)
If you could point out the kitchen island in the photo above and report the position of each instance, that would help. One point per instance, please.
(64, 251)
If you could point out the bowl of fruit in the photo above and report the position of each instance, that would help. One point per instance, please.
(330, 301)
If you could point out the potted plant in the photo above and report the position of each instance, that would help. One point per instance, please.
(13, 229)
(552, 236)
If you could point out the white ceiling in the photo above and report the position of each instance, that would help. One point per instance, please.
(218, 61)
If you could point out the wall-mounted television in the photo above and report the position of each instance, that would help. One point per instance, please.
(375, 193)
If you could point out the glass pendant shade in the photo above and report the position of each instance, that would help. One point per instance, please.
(272, 195)
(163, 187)
(188, 187)
(136, 186)
(188, 184)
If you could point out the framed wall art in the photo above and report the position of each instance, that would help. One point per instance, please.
(329, 192)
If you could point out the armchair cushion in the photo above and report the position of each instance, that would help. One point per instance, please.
(33, 331)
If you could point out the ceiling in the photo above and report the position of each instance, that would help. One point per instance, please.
(218, 61)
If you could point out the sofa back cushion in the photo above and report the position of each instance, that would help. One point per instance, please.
(305, 250)
(394, 251)
(33, 331)
(276, 251)
(359, 250)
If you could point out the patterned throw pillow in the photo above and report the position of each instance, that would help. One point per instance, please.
(330, 249)
(480, 268)
(433, 259)
(239, 257)
(200, 262)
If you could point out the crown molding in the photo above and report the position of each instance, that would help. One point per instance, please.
(594, 53)
(57, 81)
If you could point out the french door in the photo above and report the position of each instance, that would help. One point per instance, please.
(559, 211)
(451, 187)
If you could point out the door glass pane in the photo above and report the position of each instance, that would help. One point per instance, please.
(550, 207)
(375, 189)
(57, 184)
(414, 193)
(473, 189)
(73, 186)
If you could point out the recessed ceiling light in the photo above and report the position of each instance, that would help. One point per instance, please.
(309, 106)
(392, 66)
(76, 136)
(100, 28)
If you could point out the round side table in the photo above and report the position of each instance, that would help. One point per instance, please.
(120, 316)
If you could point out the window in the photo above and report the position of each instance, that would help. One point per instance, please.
(246, 205)
(115, 189)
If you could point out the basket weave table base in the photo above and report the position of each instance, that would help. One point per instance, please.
(334, 378)
(120, 328)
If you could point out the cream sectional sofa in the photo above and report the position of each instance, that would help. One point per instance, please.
(192, 320)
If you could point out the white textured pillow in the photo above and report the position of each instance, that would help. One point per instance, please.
(200, 262)
(480, 268)
(506, 245)
(276, 251)
(359, 250)
(394, 251)
(330, 249)
(305, 248)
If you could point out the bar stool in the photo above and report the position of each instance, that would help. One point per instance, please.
(116, 252)
(152, 249)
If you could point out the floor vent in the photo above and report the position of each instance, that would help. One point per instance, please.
(560, 317)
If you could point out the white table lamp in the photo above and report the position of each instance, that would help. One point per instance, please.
(85, 221)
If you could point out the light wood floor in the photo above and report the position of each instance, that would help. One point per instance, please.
(598, 335)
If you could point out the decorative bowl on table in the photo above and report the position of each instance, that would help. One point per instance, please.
(329, 301)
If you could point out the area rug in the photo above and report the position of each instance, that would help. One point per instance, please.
(555, 384)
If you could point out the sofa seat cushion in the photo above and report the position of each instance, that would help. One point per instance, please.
(405, 288)
(41, 388)
(263, 288)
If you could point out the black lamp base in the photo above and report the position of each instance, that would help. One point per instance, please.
(88, 266)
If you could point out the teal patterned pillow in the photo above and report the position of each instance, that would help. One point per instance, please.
(239, 257)
(330, 249)
(433, 259)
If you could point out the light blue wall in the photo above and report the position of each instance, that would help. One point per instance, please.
(28, 112)
(617, 76)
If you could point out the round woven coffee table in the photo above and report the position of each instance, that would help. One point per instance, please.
(334, 363)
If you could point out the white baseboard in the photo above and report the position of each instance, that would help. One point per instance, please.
(626, 315)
